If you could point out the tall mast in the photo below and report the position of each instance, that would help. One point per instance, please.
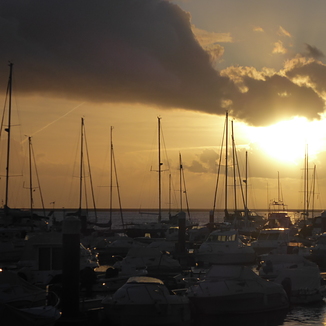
(226, 163)
(159, 172)
(234, 168)
(30, 174)
(111, 169)
(313, 191)
(307, 184)
(81, 165)
(170, 189)
(246, 189)
(278, 187)
(8, 129)
(180, 181)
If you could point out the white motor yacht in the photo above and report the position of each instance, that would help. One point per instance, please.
(145, 300)
(231, 289)
(272, 240)
(41, 259)
(224, 247)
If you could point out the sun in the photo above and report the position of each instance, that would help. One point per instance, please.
(288, 141)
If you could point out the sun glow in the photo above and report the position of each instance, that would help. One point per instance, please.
(287, 141)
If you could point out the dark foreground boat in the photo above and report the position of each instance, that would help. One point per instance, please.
(146, 301)
(229, 289)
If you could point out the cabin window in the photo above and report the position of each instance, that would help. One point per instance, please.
(263, 236)
(221, 238)
(273, 236)
(49, 258)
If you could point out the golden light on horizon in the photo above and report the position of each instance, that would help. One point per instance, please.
(286, 141)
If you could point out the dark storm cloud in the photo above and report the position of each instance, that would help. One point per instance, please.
(136, 51)
(273, 99)
(267, 97)
(119, 50)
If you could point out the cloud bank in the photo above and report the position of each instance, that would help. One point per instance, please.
(144, 51)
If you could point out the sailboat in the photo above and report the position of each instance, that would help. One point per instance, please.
(17, 217)
(278, 216)
(154, 229)
(276, 234)
(224, 245)
(80, 213)
(239, 218)
(108, 225)
(228, 217)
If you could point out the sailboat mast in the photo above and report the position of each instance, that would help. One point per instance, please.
(278, 187)
(226, 163)
(234, 169)
(8, 129)
(170, 189)
(81, 165)
(111, 169)
(159, 172)
(307, 184)
(313, 192)
(246, 188)
(180, 164)
(30, 174)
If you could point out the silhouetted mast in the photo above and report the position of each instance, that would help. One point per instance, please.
(159, 172)
(8, 130)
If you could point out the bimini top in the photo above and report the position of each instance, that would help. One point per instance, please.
(143, 279)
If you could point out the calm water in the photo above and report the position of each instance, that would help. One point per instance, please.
(298, 315)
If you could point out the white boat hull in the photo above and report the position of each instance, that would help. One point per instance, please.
(243, 303)
(147, 314)
(222, 258)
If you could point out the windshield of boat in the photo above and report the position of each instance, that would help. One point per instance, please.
(221, 238)
(270, 236)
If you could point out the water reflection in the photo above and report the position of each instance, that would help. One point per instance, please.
(311, 315)
(262, 319)
(308, 315)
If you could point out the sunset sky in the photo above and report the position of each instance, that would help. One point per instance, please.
(124, 63)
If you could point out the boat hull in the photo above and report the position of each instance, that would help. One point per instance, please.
(216, 258)
(238, 304)
(147, 314)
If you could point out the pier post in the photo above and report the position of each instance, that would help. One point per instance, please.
(211, 217)
(182, 232)
(323, 222)
(70, 268)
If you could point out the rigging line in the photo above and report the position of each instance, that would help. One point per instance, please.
(239, 176)
(4, 110)
(218, 170)
(167, 162)
(54, 121)
(90, 175)
(37, 178)
(186, 193)
(118, 188)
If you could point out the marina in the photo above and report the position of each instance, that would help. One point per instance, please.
(109, 276)
(116, 239)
